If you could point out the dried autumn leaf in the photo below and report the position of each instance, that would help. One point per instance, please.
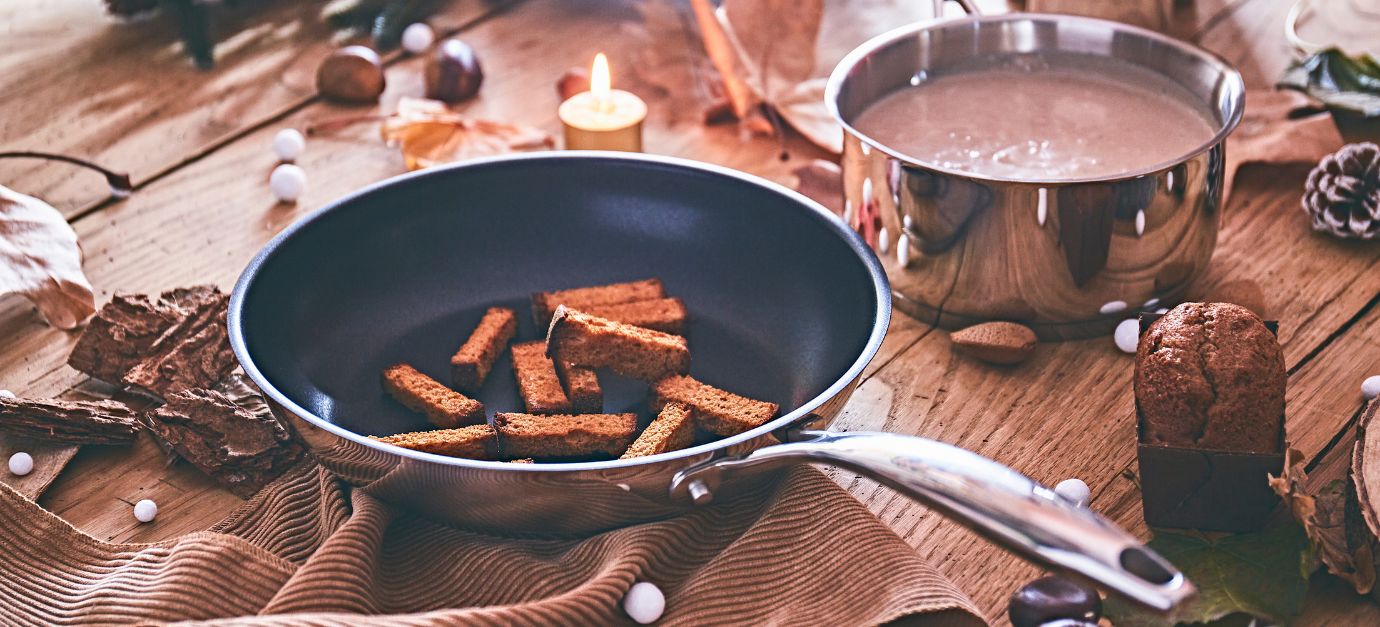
(429, 133)
(671, 59)
(1321, 509)
(803, 108)
(775, 39)
(40, 259)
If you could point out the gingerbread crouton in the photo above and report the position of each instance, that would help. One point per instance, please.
(672, 430)
(581, 387)
(544, 303)
(474, 442)
(565, 435)
(472, 362)
(714, 410)
(663, 314)
(537, 382)
(443, 406)
(594, 342)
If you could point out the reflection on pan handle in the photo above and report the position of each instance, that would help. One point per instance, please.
(1003, 505)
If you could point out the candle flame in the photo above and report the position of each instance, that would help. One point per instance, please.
(599, 82)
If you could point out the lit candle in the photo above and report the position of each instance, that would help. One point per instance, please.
(603, 118)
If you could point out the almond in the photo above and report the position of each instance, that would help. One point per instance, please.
(996, 342)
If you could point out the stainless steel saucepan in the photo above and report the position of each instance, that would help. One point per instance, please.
(787, 305)
(1070, 257)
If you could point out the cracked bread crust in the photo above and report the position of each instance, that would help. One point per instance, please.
(1210, 376)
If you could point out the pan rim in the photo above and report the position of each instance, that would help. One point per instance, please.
(880, 284)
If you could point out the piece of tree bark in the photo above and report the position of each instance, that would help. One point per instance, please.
(193, 353)
(228, 432)
(75, 422)
(125, 329)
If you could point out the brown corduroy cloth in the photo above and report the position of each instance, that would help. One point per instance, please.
(308, 550)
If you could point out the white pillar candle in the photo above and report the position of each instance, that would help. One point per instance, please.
(603, 118)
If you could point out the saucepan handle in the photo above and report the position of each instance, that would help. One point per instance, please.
(969, 7)
(1001, 504)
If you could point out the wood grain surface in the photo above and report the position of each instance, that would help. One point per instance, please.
(198, 144)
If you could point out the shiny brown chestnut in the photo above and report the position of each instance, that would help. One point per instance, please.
(352, 74)
(1053, 598)
(453, 72)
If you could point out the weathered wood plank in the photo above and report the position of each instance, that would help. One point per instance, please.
(83, 83)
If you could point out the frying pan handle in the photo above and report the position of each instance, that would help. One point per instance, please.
(1003, 505)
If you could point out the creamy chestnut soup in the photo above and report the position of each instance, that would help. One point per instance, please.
(1041, 119)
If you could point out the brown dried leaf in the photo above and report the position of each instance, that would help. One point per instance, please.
(775, 39)
(803, 108)
(40, 258)
(429, 133)
(1319, 504)
(671, 58)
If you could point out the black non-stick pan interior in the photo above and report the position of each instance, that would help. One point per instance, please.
(782, 303)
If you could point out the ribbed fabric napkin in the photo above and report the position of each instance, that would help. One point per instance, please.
(308, 550)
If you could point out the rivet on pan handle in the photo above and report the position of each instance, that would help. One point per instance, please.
(1003, 505)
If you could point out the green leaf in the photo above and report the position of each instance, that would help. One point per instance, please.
(1338, 81)
(1263, 574)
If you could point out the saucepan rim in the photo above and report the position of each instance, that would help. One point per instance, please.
(1229, 75)
(880, 285)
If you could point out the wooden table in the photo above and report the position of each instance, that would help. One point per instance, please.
(198, 147)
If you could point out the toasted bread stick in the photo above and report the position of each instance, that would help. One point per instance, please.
(472, 362)
(443, 406)
(671, 430)
(714, 410)
(537, 382)
(544, 303)
(663, 314)
(581, 387)
(565, 435)
(594, 342)
(474, 442)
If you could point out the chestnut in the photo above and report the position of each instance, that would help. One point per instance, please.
(574, 81)
(352, 74)
(453, 73)
(1054, 598)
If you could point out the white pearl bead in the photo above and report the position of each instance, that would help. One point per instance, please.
(1127, 335)
(1162, 310)
(145, 511)
(1074, 490)
(416, 38)
(288, 144)
(21, 464)
(288, 182)
(1370, 388)
(1116, 306)
(903, 250)
(6, 394)
(883, 241)
(644, 602)
(1140, 222)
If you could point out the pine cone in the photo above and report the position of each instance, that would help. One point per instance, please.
(130, 8)
(1343, 192)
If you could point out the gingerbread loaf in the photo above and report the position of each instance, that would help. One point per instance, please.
(594, 342)
(544, 304)
(443, 406)
(1211, 376)
(537, 382)
(564, 436)
(473, 442)
(716, 411)
(672, 429)
(474, 360)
